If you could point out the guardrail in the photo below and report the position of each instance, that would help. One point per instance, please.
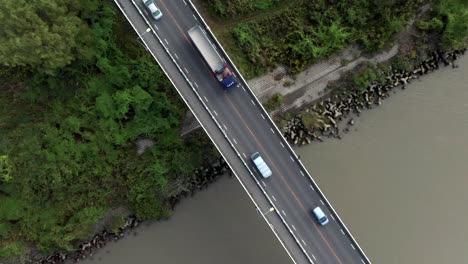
(217, 124)
(319, 191)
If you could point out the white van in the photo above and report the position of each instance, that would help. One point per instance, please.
(320, 215)
(261, 165)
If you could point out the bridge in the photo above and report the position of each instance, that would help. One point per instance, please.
(238, 125)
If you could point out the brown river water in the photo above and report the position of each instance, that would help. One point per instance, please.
(399, 181)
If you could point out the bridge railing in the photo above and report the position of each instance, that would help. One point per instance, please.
(272, 123)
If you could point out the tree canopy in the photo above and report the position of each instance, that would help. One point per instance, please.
(43, 34)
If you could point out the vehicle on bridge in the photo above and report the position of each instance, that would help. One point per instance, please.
(154, 10)
(261, 165)
(320, 215)
(212, 57)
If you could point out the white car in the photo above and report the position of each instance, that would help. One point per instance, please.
(320, 215)
(261, 165)
(154, 10)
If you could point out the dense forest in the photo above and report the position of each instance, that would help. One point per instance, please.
(76, 89)
(260, 34)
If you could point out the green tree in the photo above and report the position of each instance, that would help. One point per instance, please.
(5, 168)
(42, 34)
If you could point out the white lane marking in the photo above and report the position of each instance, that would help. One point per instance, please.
(194, 17)
(291, 158)
(225, 127)
(167, 42)
(322, 201)
(353, 247)
(186, 70)
(332, 217)
(244, 155)
(195, 84)
(264, 184)
(243, 89)
(283, 212)
(314, 257)
(206, 99)
(363, 261)
(252, 102)
(273, 198)
(302, 173)
(282, 144)
(304, 242)
(272, 131)
(184, 2)
(262, 116)
(175, 54)
(294, 227)
(312, 188)
(233, 139)
(156, 26)
(342, 232)
(215, 112)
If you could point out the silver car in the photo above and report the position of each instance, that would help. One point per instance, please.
(261, 165)
(154, 10)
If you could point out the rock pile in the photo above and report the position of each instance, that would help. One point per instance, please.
(332, 112)
(87, 249)
(200, 179)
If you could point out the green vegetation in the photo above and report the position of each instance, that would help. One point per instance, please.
(297, 33)
(304, 32)
(363, 79)
(449, 18)
(74, 96)
(274, 102)
(236, 8)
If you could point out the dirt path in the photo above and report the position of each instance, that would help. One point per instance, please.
(309, 85)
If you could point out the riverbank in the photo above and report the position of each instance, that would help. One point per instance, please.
(217, 225)
(331, 116)
(405, 163)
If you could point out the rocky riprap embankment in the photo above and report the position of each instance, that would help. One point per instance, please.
(328, 116)
(87, 249)
(199, 179)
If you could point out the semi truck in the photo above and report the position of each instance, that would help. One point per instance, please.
(217, 65)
